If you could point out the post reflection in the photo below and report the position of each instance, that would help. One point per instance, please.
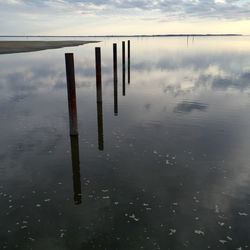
(76, 169)
(100, 126)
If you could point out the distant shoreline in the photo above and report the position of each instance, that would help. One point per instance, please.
(161, 35)
(11, 47)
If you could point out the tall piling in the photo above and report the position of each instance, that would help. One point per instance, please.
(99, 98)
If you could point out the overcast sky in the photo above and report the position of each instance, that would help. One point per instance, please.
(100, 17)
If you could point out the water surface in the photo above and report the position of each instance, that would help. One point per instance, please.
(173, 170)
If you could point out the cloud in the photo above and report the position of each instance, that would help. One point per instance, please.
(209, 9)
(188, 107)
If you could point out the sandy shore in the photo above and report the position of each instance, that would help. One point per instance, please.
(9, 47)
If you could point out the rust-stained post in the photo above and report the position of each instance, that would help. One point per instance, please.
(99, 98)
(115, 79)
(76, 169)
(128, 61)
(70, 74)
(123, 69)
(98, 74)
(100, 126)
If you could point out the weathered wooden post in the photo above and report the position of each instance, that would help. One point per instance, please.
(128, 61)
(76, 169)
(70, 74)
(115, 79)
(98, 74)
(99, 98)
(123, 69)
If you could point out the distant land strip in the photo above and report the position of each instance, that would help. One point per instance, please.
(161, 35)
(10, 47)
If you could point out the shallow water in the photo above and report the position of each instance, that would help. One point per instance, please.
(174, 171)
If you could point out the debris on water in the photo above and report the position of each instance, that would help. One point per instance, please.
(133, 217)
(47, 200)
(31, 239)
(243, 214)
(62, 235)
(196, 200)
(221, 224)
(175, 204)
(106, 197)
(38, 205)
(217, 209)
(199, 232)
(116, 203)
(172, 231)
(223, 241)
(105, 190)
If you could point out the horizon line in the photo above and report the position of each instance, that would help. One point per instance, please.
(136, 35)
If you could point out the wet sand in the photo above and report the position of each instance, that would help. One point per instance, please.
(10, 47)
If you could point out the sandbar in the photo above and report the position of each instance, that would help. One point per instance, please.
(10, 47)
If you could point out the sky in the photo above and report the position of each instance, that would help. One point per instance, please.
(128, 17)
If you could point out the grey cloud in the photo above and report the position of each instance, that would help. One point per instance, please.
(188, 107)
(169, 9)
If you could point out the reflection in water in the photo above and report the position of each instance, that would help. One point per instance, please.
(76, 169)
(115, 79)
(187, 107)
(100, 126)
(194, 190)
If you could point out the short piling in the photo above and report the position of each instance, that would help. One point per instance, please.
(71, 88)
(128, 61)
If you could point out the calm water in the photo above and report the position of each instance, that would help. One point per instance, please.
(174, 172)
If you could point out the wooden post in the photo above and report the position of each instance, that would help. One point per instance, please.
(115, 79)
(70, 74)
(76, 169)
(123, 69)
(98, 74)
(128, 61)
